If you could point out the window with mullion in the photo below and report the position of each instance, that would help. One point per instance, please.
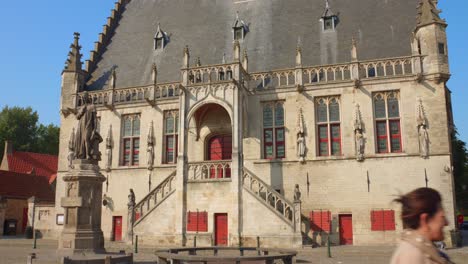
(328, 126)
(131, 140)
(387, 122)
(273, 131)
(171, 120)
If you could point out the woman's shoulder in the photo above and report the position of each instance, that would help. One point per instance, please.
(407, 253)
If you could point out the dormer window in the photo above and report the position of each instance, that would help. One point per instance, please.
(238, 33)
(158, 43)
(239, 28)
(329, 19)
(160, 39)
(328, 23)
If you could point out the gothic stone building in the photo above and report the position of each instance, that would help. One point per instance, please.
(214, 111)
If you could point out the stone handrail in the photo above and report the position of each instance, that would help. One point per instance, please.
(209, 170)
(271, 198)
(154, 198)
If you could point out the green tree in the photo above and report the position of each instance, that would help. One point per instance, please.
(20, 126)
(460, 171)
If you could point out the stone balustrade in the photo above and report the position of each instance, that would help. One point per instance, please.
(259, 81)
(271, 198)
(154, 198)
(209, 170)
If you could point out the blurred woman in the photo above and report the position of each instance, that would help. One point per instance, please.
(423, 219)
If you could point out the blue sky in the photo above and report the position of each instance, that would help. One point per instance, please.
(36, 35)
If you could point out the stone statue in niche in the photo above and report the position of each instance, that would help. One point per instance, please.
(87, 138)
(71, 149)
(109, 144)
(359, 145)
(423, 133)
(423, 141)
(358, 134)
(150, 148)
(297, 194)
(301, 147)
(301, 142)
(131, 199)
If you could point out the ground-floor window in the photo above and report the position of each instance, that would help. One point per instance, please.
(382, 220)
(197, 221)
(320, 220)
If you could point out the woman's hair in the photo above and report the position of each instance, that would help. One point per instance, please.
(418, 202)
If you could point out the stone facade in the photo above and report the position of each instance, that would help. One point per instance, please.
(254, 191)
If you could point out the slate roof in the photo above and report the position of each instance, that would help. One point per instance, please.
(24, 186)
(24, 162)
(383, 28)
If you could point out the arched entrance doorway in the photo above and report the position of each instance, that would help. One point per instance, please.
(219, 147)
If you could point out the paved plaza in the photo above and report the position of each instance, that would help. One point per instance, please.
(13, 251)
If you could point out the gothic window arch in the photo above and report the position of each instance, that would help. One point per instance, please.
(171, 132)
(273, 130)
(387, 122)
(328, 119)
(130, 140)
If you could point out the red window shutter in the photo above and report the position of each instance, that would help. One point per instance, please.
(202, 222)
(192, 221)
(377, 220)
(326, 218)
(389, 220)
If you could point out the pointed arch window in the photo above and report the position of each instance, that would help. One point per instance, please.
(328, 126)
(171, 130)
(273, 131)
(387, 122)
(130, 140)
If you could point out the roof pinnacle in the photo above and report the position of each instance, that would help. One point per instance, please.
(428, 13)
(73, 62)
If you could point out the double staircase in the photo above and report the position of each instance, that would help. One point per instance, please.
(154, 198)
(269, 197)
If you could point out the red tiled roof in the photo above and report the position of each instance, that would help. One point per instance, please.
(24, 162)
(19, 185)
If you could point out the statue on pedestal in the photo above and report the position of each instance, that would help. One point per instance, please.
(423, 134)
(71, 149)
(297, 194)
(87, 138)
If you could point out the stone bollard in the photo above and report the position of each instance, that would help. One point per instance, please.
(31, 256)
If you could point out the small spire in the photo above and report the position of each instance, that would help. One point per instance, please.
(113, 78)
(354, 55)
(186, 62)
(154, 73)
(236, 50)
(198, 62)
(328, 12)
(299, 52)
(245, 61)
(73, 63)
(428, 13)
(224, 58)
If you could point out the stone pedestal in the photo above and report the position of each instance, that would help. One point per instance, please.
(3, 205)
(82, 202)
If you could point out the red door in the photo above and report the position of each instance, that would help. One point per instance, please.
(117, 228)
(346, 229)
(220, 148)
(221, 230)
